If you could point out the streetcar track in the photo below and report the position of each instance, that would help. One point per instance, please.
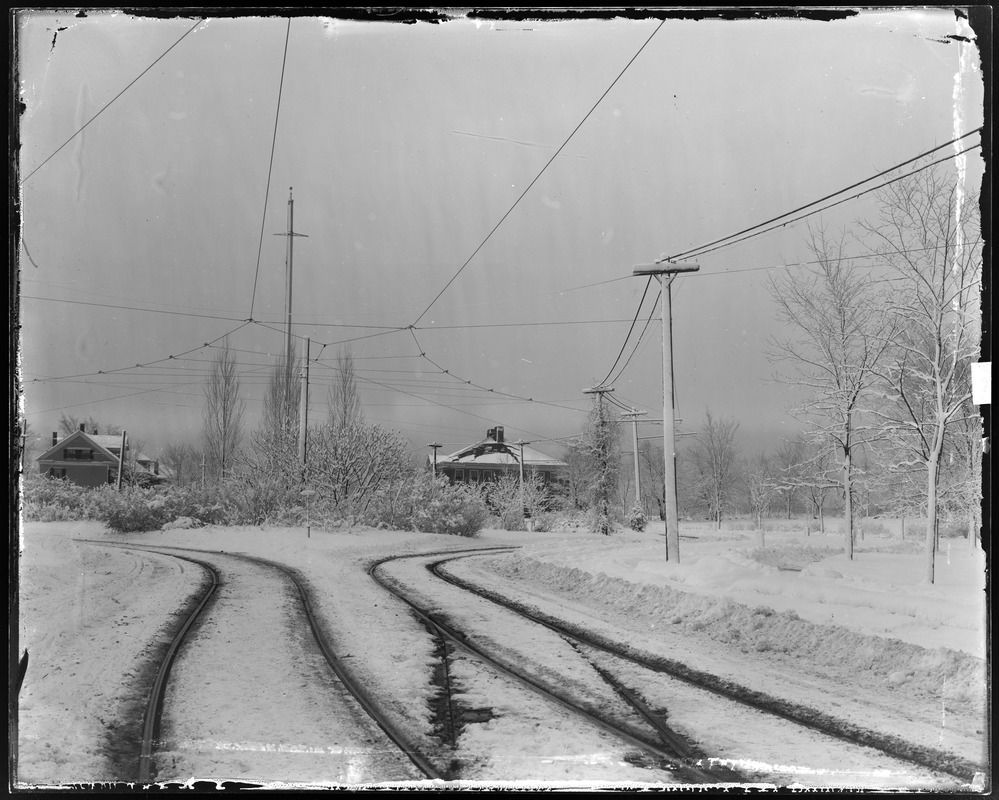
(682, 766)
(812, 719)
(154, 708)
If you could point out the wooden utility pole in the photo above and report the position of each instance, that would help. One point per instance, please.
(121, 458)
(303, 409)
(665, 271)
(435, 445)
(635, 414)
(523, 505)
(289, 260)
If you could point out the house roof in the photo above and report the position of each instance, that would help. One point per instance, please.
(77, 439)
(107, 444)
(489, 451)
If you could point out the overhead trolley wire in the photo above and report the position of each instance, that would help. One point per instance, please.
(755, 230)
(108, 104)
(538, 176)
(270, 167)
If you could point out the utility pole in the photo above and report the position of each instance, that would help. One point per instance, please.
(665, 271)
(121, 458)
(635, 414)
(523, 505)
(600, 391)
(435, 445)
(303, 409)
(289, 270)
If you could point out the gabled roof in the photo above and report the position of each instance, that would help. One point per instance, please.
(489, 451)
(109, 445)
(77, 439)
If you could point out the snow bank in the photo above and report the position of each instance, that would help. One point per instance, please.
(820, 616)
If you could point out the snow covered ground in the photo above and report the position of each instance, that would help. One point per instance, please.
(867, 639)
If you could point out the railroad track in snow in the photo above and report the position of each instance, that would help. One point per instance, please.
(667, 749)
(425, 763)
(603, 653)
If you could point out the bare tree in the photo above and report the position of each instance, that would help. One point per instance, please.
(180, 459)
(788, 465)
(223, 414)
(276, 441)
(839, 335)
(762, 479)
(343, 402)
(68, 423)
(929, 233)
(714, 459)
(962, 492)
(575, 458)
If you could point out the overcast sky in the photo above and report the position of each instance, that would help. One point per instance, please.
(490, 183)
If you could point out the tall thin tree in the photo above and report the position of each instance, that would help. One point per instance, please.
(223, 414)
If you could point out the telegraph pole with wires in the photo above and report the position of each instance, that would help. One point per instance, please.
(523, 503)
(665, 270)
(303, 410)
(289, 262)
(634, 414)
(435, 446)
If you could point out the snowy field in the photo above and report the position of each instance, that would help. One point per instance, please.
(868, 639)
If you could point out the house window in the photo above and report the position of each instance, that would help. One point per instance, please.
(473, 476)
(77, 454)
(459, 475)
(56, 472)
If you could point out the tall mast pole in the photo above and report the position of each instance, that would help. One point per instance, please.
(289, 269)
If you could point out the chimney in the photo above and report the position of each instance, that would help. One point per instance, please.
(83, 427)
(499, 433)
(55, 438)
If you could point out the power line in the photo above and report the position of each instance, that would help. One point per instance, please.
(702, 249)
(270, 167)
(628, 335)
(844, 200)
(538, 176)
(108, 104)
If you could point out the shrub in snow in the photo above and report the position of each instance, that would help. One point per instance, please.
(636, 518)
(418, 501)
(459, 509)
(132, 509)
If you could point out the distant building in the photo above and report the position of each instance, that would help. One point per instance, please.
(91, 460)
(492, 457)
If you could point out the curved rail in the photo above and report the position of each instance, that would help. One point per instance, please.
(154, 708)
(154, 705)
(419, 760)
(672, 756)
(925, 757)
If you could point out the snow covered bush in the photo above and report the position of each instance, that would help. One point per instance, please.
(636, 518)
(508, 501)
(132, 509)
(421, 502)
(458, 509)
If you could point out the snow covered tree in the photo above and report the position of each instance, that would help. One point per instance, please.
(762, 480)
(599, 444)
(838, 337)
(929, 234)
(714, 463)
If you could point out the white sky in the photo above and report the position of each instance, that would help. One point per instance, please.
(407, 145)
